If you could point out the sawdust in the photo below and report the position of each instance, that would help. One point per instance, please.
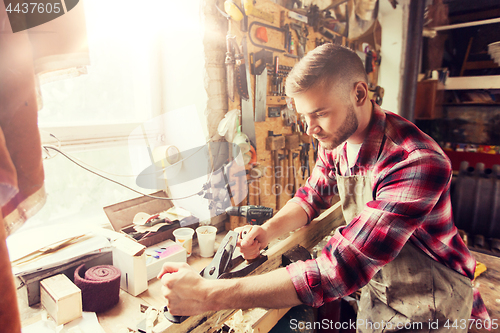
(243, 321)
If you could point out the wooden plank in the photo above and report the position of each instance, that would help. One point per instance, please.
(487, 284)
(307, 237)
(473, 82)
(467, 24)
(267, 322)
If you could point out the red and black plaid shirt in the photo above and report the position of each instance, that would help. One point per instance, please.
(411, 183)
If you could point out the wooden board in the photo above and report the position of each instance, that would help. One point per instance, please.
(487, 284)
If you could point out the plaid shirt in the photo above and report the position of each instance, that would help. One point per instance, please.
(411, 183)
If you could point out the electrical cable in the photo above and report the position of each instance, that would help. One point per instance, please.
(121, 184)
(103, 171)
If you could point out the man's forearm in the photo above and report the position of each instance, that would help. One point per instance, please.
(273, 290)
(290, 217)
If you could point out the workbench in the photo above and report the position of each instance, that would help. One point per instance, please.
(126, 314)
(488, 284)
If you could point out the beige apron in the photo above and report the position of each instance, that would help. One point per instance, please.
(412, 293)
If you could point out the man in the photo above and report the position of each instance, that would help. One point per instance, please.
(399, 243)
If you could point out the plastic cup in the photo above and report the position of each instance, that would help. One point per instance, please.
(184, 237)
(206, 239)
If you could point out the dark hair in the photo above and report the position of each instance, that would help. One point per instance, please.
(326, 65)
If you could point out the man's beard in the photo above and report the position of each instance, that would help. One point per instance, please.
(348, 128)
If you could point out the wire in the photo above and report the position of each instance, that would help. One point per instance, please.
(103, 171)
(117, 182)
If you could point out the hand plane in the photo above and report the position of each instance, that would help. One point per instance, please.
(221, 267)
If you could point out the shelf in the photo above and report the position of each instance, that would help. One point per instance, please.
(472, 82)
(456, 157)
(470, 104)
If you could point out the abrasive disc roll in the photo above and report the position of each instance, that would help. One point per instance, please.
(100, 286)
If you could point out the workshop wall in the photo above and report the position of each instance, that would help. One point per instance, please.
(284, 155)
(393, 21)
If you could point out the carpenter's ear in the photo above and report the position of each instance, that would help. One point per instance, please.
(361, 90)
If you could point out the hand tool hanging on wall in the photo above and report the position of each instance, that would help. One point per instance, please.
(242, 80)
(274, 142)
(260, 96)
(230, 61)
(270, 27)
(233, 54)
(302, 34)
(304, 160)
(276, 81)
(291, 143)
(247, 107)
(259, 61)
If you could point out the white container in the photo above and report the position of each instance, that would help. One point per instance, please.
(184, 237)
(61, 298)
(206, 240)
(130, 258)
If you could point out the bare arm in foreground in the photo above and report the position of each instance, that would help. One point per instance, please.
(187, 293)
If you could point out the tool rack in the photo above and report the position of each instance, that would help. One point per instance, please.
(277, 174)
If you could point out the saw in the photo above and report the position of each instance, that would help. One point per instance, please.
(229, 62)
(241, 77)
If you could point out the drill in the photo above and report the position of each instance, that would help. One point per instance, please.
(254, 214)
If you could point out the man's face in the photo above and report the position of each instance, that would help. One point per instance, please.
(330, 117)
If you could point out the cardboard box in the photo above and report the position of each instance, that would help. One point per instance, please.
(61, 298)
(157, 255)
(121, 216)
(130, 258)
(32, 281)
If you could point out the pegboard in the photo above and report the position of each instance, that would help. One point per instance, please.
(263, 187)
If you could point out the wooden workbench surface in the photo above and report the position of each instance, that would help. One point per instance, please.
(126, 314)
(488, 284)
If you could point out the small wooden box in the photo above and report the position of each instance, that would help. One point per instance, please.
(122, 214)
(61, 298)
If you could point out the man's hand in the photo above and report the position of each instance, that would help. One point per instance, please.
(253, 238)
(185, 290)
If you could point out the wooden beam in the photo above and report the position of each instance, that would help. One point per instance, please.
(467, 24)
(307, 237)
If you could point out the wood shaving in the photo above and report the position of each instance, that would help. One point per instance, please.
(243, 321)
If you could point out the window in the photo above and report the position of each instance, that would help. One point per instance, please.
(147, 63)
